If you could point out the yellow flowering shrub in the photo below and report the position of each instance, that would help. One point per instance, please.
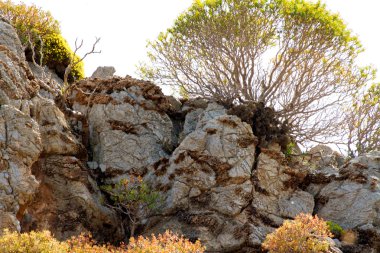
(304, 234)
(33, 242)
(44, 242)
(168, 242)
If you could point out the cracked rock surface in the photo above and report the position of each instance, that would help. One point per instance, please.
(43, 181)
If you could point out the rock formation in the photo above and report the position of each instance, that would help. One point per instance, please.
(219, 184)
(43, 181)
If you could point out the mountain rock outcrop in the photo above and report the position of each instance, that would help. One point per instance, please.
(218, 182)
(43, 181)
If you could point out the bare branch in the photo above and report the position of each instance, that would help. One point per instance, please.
(74, 60)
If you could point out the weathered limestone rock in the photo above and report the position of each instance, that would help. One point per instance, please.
(34, 133)
(20, 147)
(208, 181)
(355, 194)
(56, 135)
(128, 127)
(276, 194)
(322, 156)
(68, 202)
(104, 72)
(351, 198)
(9, 38)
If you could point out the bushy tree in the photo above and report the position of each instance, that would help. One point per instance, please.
(41, 38)
(363, 121)
(292, 55)
(304, 234)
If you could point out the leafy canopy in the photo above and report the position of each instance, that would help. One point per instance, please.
(292, 55)
(364, 121)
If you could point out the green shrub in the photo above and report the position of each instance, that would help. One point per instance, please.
(335, 229)
(57, 55)
(29, 21)
(134, 198)
(304, 234)
(33, 26)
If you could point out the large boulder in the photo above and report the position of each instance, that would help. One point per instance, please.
(104, 72)
(207, 181)
(220, 189)
(277, 196)
(128, 127)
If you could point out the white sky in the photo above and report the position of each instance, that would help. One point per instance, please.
(125, 26)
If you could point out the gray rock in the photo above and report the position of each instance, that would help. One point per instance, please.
(72, 200)
(103, 72)
(9, 38)
(20, 147)
(127, 133)
(349, 199)
(57, 138)
(190, 124)
(208, 176)
(354, 199)
(296, 203)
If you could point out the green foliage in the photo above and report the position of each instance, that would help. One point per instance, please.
(304, 234)
(133, 198)
(290, 149)
(57, 54)
(335, 229)
(36, 27)
(29, 21)
(133, 192)
(363, 121)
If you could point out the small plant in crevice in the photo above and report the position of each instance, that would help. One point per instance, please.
(290, 149)
(335, 229)
(133, 198)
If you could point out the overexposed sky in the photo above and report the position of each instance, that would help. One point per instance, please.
(125, 26)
